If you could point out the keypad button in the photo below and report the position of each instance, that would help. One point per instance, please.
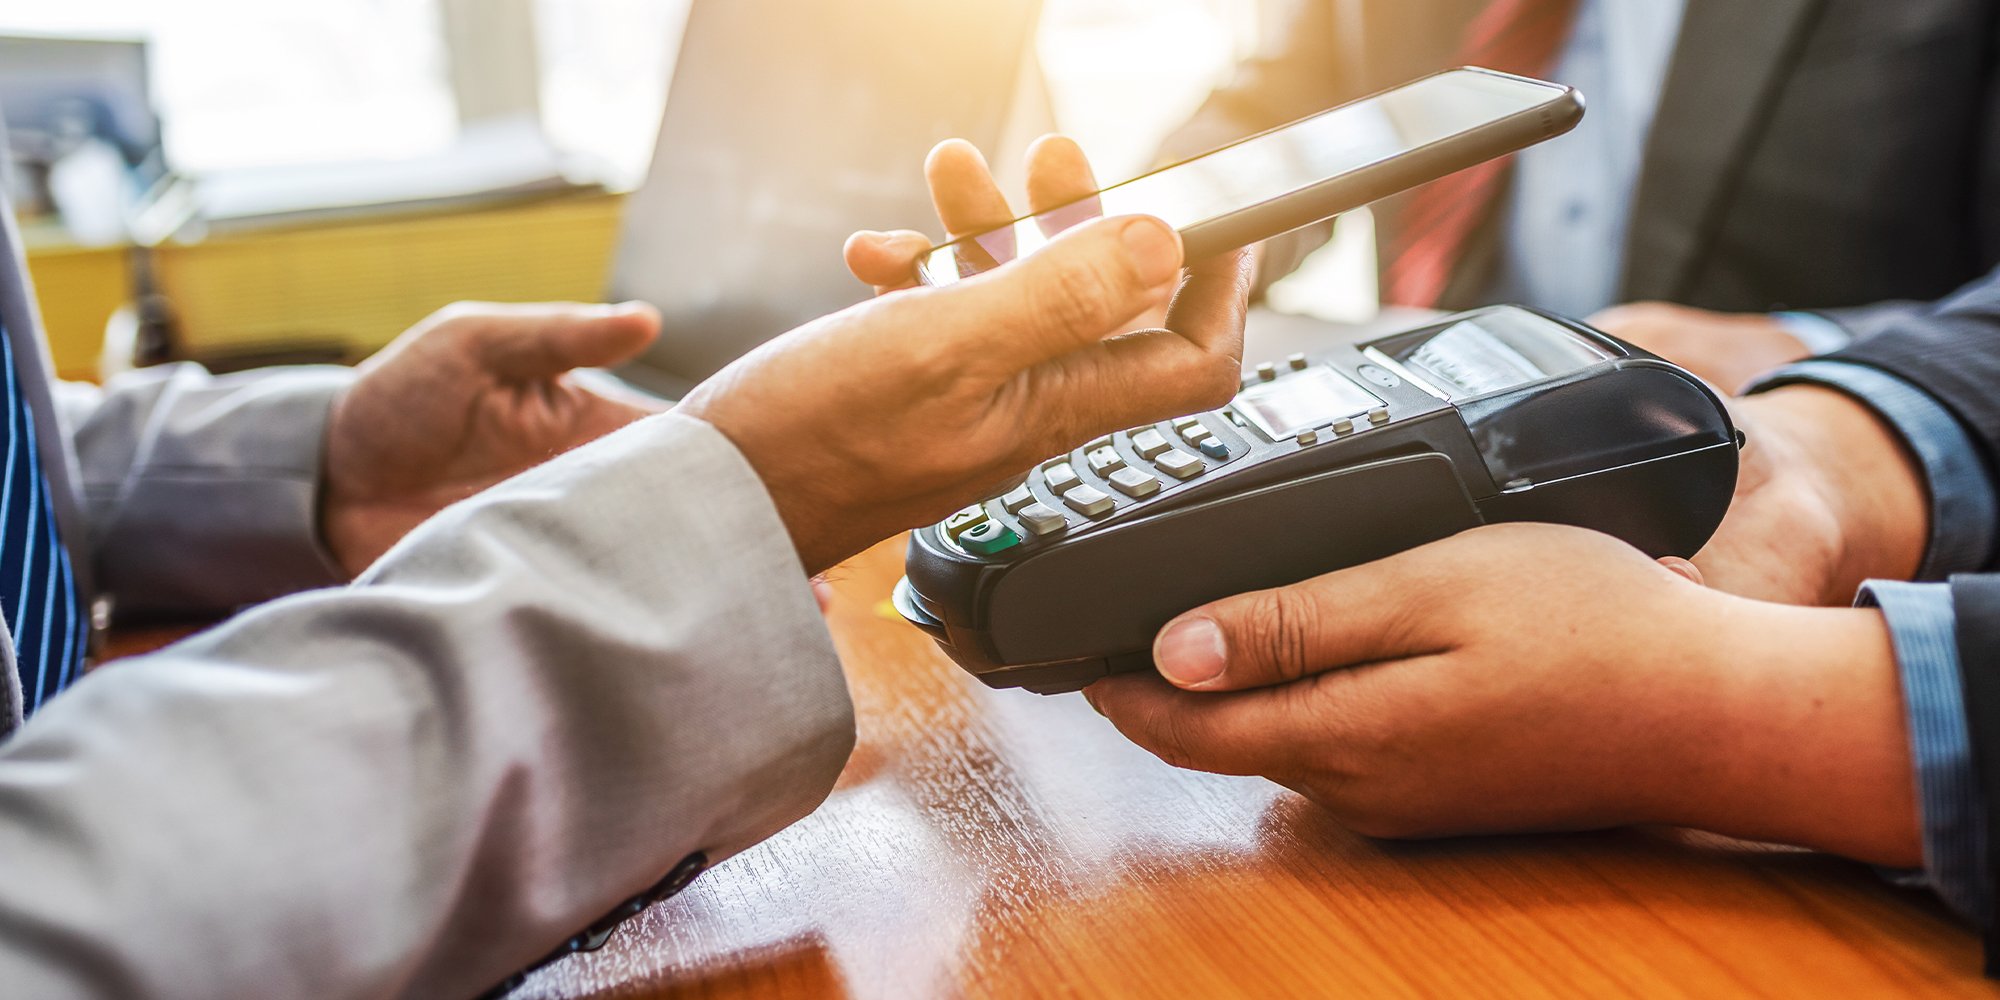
(1089, 501)
(1215, 449)
(1297, 362)
(1104, 461)
(1308, 438)
(1180, 464)
(1134, 484)
(1266, 372)
(1103, 442)
(1378, 416)
(989, 538)
(1186, 422)
(1019, 498)
(965, 520)
(1062, 478)
(1042, 520)
(1149, 443)
(1197, 434)
(1343, 426)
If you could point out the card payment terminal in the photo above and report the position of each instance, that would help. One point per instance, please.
(1321, 463)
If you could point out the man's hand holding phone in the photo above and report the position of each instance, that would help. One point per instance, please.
(898, 411)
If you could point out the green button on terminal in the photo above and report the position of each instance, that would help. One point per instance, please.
(989, 538)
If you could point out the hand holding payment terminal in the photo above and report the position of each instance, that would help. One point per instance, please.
(1319, 464)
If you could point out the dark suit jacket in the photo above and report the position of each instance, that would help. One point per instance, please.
(1808, 154)
(1952, 350)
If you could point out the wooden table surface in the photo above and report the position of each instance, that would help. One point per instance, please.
(1002, 844)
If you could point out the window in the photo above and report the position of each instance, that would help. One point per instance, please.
(253, 83)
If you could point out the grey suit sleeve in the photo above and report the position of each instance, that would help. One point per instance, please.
(201, 491)
(527, 712)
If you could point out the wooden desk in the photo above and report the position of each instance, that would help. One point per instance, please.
(1007, 845)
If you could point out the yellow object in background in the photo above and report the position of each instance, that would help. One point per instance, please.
(78, 288)
(341, 288)
(357, 283)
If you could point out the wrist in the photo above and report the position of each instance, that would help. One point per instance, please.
(1863, 476)
(1808, 744)
(800, 490)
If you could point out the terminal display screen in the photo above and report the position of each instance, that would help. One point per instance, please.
(1498, 352)
(1300, 402)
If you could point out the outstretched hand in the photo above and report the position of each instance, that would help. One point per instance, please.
(474, 394)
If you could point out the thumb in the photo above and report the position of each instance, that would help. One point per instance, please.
(1355, 616)
(542, 341)
(1080, 289)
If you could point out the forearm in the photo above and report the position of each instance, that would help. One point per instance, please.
(526, 713)
(202, 492)
(1804, 739)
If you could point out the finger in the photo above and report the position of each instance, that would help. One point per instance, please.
(1240, 733)
(1685, 569)
(1213, 304)
(967, 198)
(1133, 379)
(1062, 190)
(545, 340)
(1153, 375)
(1362, 615)
(886, 261)
(1086, 286)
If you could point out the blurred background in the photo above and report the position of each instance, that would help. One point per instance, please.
(241, 182)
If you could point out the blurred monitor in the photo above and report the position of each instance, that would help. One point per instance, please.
(61, 94)
(789, 125)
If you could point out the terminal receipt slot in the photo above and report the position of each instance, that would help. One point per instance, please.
(1321, 463)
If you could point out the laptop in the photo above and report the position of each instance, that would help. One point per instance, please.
(789, 125)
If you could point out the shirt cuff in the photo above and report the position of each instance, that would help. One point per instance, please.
(1819, 334)
(1964, 508)
(1922, 629)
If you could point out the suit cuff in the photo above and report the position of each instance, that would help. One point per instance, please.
(220, 508)
(1922, 629)
(1964, 508)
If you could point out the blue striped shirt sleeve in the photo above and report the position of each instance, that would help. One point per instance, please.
(1922, 629)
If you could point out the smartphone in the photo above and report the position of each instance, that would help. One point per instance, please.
(1298, 174)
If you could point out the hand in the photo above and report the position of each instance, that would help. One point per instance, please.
(969, 200)
(1727, 350)
(1827, 498)
(471, 396)
(1534, 677)
(898, 411)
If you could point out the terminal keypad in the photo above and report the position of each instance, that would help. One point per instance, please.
(1092, 483)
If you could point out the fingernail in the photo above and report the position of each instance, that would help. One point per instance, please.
(1155, 249)
(1191, 652)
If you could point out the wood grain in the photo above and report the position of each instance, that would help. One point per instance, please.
(1001, 844)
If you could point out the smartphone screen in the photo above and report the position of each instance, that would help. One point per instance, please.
(1268, 170)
